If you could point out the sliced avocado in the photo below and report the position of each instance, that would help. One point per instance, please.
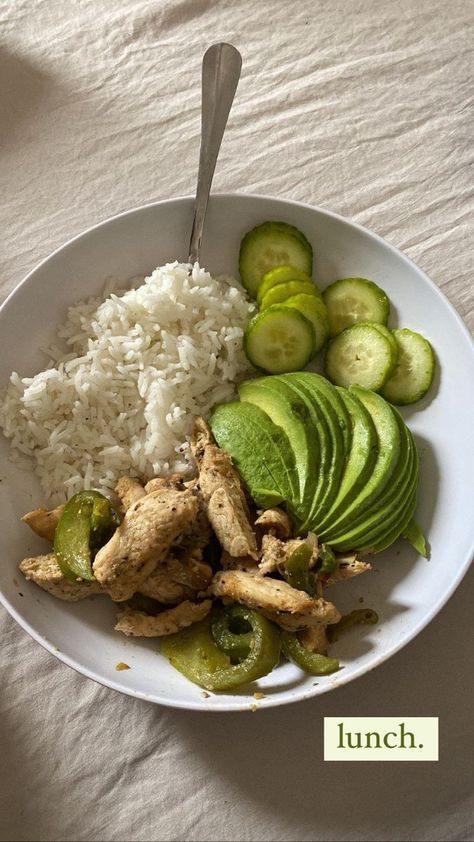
(290, 412)
(321, 408)
(399, 528)
(260, 451)
(388, 449)
(319, 429)
(371, 527)
(361, 458)
(320, 385)
(325, 395)
(414, 535)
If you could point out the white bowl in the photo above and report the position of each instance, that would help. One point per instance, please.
(406, 590)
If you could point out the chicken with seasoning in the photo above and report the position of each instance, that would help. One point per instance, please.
(227, 588)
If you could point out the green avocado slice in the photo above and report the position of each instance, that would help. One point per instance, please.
(400, 527)
(374, 524)
(361, 457)
(319, 432)
(290, 412)
(325, 401)
(388, 450)
(260, 451)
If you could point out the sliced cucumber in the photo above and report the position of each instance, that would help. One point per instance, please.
(413, 374)
(269, 245)
(279, 339)
(280, 292)
(360, 356)
(353, 300)
(388, 335)
(314, 309)
(280, 275)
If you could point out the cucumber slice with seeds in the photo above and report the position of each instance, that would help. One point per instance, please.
(413, 374)
(360, 356)
(280, 275)
(279, 339)
(270, 245)
(280, 292)
(353, 300)
(388, 335)
(312, 308)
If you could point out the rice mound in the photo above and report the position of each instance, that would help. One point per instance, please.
(139, 367)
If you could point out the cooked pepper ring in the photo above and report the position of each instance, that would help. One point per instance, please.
(196, 654)
(86, 523)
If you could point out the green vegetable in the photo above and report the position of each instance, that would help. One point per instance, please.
(353, 300)
(87, 522)
(314, 309)
(194, 652)
(414, 371)
(270, 245)
(297, 568)
(280, 292)
(232, 632)
(360, 355)
(328, 560)
(310, 662)
(280, 275)
(279, 339)
(415, 537)
(361, 616)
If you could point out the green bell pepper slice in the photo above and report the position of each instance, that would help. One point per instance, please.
(328, 561)
(195, 653)
(361, 616)
(297, 568)
(311, 662)
(86, 523)
(232, 632)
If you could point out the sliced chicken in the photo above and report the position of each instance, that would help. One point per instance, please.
(288, 607)
(198, 534)
(346, 570)
(275, 552)
(229, 562)
(315, 639)
(189, 569)
(129, 490)
(138, 624)
(143, 539)
(157, 483)
(223, 495)
(44, 571)
(275, 521)
(44, 521)
(163, 588)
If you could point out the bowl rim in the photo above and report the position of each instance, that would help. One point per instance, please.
(238, 704)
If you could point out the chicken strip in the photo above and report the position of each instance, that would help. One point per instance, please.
(275, 521)
(315, 639)
(44, 521)
(44, 571)
(189, 569)
(143, 539)
(275, 599)
(275, 553)
(163, 588)
(229, 562)
(175, 481)
(138, 624)
(223, 494)
(347, 570)
(129, 490)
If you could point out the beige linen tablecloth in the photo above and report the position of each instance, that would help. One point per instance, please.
(362, 107)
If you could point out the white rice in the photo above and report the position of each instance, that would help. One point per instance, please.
(135, 370)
